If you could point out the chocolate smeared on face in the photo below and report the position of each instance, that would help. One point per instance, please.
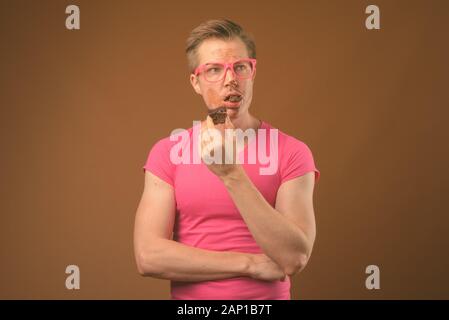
(218, 115)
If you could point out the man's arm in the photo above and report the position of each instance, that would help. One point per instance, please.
(159, 256)
(285, 233)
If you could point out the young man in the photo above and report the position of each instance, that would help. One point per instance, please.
(226, 230)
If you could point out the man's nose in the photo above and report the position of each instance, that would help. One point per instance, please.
(229, 76)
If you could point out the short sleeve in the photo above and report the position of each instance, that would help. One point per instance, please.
(297, 160)
(158, 161)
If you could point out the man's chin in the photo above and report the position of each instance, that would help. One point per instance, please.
(233, 112)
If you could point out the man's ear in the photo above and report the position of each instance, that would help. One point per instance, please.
(195, 83)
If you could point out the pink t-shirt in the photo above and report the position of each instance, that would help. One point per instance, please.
(207, 218)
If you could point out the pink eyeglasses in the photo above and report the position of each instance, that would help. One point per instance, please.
(215, 71)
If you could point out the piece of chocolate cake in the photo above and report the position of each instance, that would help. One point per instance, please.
(218, 115)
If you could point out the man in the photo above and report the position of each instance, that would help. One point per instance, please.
(220, 230)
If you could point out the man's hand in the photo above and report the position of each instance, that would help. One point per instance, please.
(218, 147)
(263, 268)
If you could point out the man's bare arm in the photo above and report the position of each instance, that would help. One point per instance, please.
(285, 233)
(159, 256)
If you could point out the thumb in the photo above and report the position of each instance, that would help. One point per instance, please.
(209, 122)
(228, 123)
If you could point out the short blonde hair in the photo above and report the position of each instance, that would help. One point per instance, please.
(220, 29)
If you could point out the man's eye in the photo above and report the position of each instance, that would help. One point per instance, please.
(213, 70)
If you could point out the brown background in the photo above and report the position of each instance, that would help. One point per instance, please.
(81, 109)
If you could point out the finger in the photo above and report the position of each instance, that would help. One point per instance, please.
(230, 136)
(230, 127)
(205, 149)
(228, 123)
(210, 141)
(205, 131)
(215, 128)
(203, 138)
(210, 122)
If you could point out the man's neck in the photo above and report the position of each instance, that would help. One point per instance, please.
(246, 121)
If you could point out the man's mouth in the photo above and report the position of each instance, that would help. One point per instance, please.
(233, 98)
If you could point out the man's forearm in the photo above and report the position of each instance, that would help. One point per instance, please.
(278, 237)
(168, 259)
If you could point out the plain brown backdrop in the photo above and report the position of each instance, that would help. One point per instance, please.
(81, 109)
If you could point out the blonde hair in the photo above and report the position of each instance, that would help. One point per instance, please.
(220, 29)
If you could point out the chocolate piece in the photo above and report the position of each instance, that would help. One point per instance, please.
(234, 98)
(218, 115)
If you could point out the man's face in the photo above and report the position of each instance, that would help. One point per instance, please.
(215, 93)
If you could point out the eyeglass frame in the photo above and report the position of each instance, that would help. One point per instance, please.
(227, 66)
